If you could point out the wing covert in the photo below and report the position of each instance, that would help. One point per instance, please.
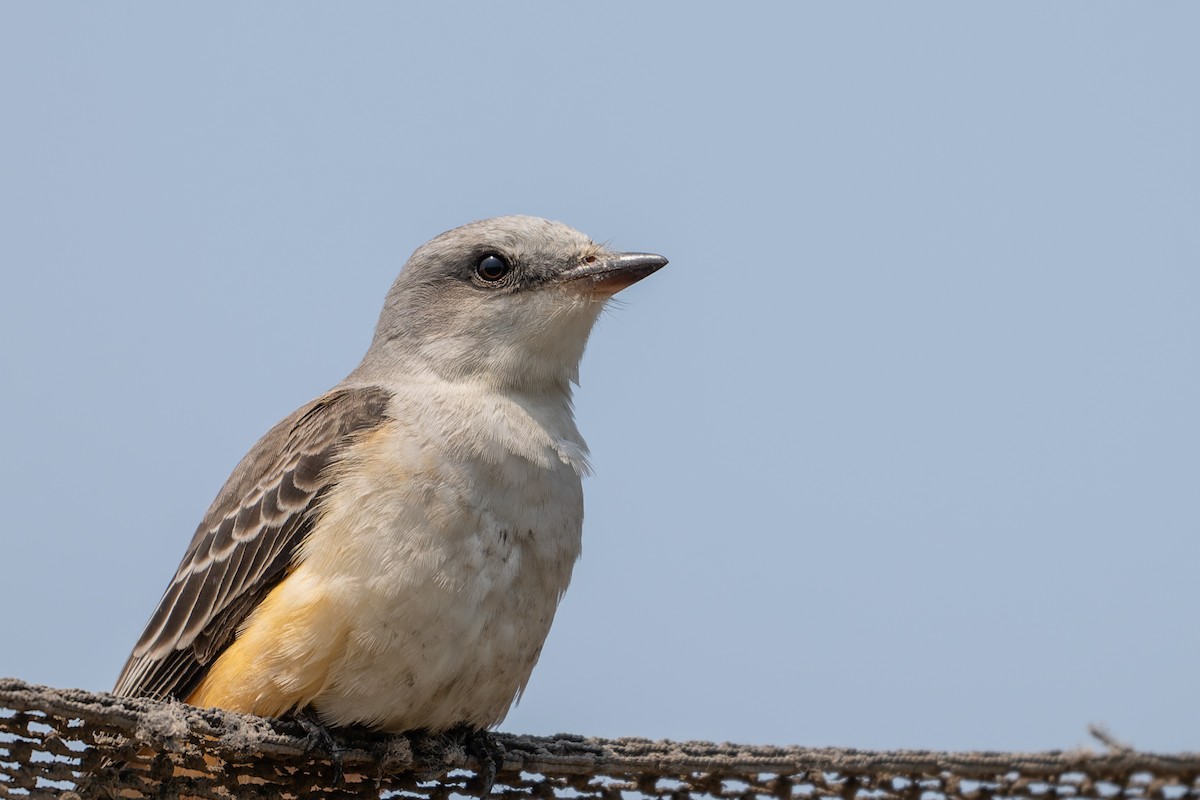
(246, 541)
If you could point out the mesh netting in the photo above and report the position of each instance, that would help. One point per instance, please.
(71, 743)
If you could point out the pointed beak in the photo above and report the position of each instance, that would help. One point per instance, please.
(609, 273)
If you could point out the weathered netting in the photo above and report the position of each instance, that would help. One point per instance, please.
(71, 743)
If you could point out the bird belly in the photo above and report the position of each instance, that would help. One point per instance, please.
(423, 594)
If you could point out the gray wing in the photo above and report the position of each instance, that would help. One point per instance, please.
(246, 542)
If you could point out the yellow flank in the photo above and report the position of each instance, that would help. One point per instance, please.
(282, 656)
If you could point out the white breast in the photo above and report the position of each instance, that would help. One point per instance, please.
(444, 550)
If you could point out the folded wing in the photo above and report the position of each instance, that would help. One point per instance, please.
(247, 542)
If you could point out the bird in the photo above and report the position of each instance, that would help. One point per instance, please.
(391, 554)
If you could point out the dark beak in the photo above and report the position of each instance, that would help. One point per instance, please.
(609, 273)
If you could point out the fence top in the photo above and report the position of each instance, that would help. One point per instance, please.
(56, 742)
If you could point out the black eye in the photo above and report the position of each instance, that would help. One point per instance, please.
(492, 268)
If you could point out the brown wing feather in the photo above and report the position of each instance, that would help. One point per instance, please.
(246, 542)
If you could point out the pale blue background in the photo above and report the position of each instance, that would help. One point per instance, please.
(901, 450)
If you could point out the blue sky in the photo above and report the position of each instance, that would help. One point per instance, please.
(901, 450)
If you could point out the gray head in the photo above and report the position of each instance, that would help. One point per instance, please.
(509, 301)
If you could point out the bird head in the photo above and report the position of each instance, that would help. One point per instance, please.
(509, 301)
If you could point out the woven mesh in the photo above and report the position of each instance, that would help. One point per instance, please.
(70, 743)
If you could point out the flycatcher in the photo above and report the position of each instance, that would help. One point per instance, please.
(392, 553)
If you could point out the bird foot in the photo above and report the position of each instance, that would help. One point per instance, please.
(319, 738)
(483, 746)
